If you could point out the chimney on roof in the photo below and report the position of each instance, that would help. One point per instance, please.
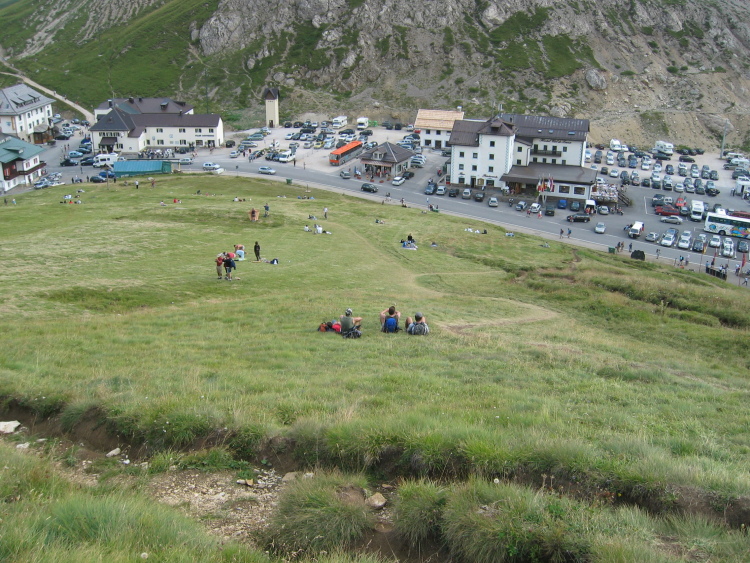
(131, 100)
(140, 99)
(110, 103)
(180, 113)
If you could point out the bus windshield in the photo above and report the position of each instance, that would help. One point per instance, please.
(345, 153)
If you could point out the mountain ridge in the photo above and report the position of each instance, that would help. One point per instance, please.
(609, 61)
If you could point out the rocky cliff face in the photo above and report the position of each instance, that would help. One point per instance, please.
(612, 61)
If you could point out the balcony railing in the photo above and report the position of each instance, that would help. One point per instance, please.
(546, 153)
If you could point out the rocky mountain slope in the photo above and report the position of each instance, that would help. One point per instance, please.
(640, 69)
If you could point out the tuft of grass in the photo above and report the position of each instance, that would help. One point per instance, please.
(494, 523)
(419, 511)
(326, 512)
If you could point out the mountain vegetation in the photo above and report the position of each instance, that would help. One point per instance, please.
(606, 60)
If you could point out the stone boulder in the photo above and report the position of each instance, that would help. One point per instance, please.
(595, 80)
(715, 123)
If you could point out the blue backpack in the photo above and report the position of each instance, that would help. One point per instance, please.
(390, 324)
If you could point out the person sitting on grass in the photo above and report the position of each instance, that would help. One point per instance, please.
(350, 325)
(389, 319)
(417, 327)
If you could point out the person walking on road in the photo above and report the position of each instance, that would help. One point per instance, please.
(562, 232)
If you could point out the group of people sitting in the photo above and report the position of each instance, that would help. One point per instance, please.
(316, 230)
(350, 326)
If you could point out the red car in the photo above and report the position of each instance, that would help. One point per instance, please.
(680, 202)
(666, 210)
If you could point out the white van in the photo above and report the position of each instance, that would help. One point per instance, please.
(102, 160)
(287, 156)
(362, 123)
(636, 229)
(615, 145)
(339, 122)
(664, 147)
(697, 210)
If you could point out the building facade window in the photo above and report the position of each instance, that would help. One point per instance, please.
(475, 155)
(461, 154)
(460, 166)
(492, 143)
(473, 167)
(491, 169)
(492, 157)
(181, 130)
(210, 130)
(159, 130)
(199, 130)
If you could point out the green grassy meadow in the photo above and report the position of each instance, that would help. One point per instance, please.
(625, 381)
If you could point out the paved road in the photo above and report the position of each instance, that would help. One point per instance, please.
(312, 169)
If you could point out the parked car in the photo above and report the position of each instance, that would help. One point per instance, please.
(686, 158)
(549, 209)
(453, 192)
(603, 210)
(68, 162)
(535, 207)
(88, 161)
(367, 187)
(714, 241)
(479, 196)
(440, 190)
(668, 239)
(97, 179)
(727, 248)
(666, 210)
(430, 189)
(562, 204)
(575, 206)
(408, 174)
(713, 192)
(743, 246)
(652, 237)
(686, 240)
(521, 206)
(698, 246)
(266, 170)
(492, 202)
(579, 218)
(398, 180)
(600, 228)
(466, 194)
(345, 174)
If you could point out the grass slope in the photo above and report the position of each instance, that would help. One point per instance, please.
(625, 378)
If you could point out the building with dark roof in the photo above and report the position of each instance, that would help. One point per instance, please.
(23, 111)
(21, 162)
(519, 152)
(122, 131)
(385, 159)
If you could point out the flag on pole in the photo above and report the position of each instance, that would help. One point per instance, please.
(551, 184)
